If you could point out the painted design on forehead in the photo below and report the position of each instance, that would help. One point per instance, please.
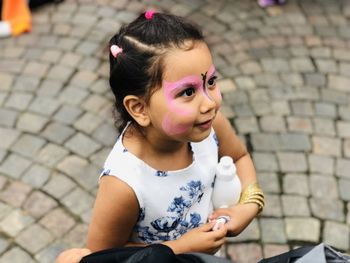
(204, 78)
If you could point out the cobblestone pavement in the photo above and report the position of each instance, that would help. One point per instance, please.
(285, 76)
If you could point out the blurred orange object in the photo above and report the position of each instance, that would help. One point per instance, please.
(17, 14)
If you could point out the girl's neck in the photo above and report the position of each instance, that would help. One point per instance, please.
(157, 151)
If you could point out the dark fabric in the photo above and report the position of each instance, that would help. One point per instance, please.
(288, 257)
(154, 253)
(313, 254)
(36, 3)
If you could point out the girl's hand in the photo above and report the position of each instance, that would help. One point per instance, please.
(241, 215)
(73, 255)
(200, 239)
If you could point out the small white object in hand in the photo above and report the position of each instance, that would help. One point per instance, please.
(221, 221)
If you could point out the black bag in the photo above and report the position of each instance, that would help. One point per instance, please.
(313, 254)
(154, 253)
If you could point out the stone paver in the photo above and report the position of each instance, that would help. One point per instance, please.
(284, 75)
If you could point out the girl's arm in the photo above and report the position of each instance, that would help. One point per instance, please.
(230, 145)
(114, 215)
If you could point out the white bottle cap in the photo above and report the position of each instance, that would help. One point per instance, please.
(5, 29)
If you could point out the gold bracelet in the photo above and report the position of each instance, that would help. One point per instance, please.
(253, 194)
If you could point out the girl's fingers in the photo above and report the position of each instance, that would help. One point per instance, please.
(207, 227)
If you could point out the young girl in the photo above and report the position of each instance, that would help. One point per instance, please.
(157, 181)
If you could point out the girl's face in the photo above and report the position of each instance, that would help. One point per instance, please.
(186, 104)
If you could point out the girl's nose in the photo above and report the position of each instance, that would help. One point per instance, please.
(208, 103)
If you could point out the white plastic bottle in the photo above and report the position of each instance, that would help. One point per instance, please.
(227, 187)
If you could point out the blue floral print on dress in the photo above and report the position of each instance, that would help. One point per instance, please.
(125, 150)
(161, 173)
(216, 139)
(142, 214)
(176, 223)
(105, 171)
(193, 188)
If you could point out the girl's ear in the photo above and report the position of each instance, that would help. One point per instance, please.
(137, 108)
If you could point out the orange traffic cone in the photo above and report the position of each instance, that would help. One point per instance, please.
(17, 14)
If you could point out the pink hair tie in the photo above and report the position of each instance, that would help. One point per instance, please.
(115, 50)
(149, 14)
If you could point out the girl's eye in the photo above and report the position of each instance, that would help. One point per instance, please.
(212, 81)
(187, 92)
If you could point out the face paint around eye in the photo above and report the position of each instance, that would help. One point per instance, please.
(181, 115)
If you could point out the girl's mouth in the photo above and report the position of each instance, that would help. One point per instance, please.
(205, 125)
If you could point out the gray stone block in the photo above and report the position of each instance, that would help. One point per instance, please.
(343, 129)
(321, 164)
(303, 229)
(15, 221)
(246, 125)
(326, 66)
(336, 235)
(51, 154)
(68, 114)
(87, 123)
(18, 101)
(238, 252)
(53, 222)
(327, 209)
(325, 110)
(344, 186)
(82, 145)
(324, 126)
(299, 124)
(28, 145)
(59, 185)
(44, 106)
(275, 65)
(265, 161)
(297, 184)
(36, 175)
(333, 96)
(294, 205)
(30, 122)
(272, 123)
(321, 184)
(251, 233)
(72, 95)
(273, 207)
(42, 238)
(8, 117)
(292, 162)
(346, 148)
(342, 168)
(302, 64)
(16, 255)
(49, 88)
(38, 204)
(273, 230)
(327, 146)
(14, 166)
(339, 83)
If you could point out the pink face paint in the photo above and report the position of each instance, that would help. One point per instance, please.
(178, 109)
(170, 127)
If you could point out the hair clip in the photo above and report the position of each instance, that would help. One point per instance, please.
(115, 50)
(149, 14)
